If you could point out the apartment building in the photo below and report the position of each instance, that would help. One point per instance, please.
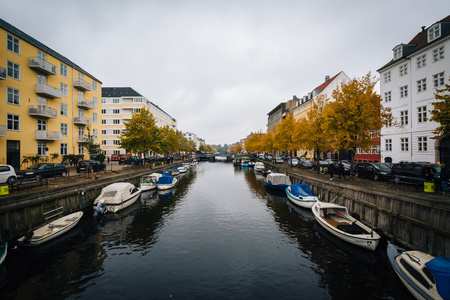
(407, 84)
(48, 103)
(118, 106)
(193, 137)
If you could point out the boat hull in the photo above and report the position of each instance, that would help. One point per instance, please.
(147, 186)
(307, 202)
(115, 207)
(366, 241)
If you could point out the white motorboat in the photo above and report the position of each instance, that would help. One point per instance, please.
(166, 182)
(51, 230)
(259, 166)
(182, 169)
(278, 181)
(301, 195)
(149, 182)
(425, 276)
(118, 196)
(336, 220)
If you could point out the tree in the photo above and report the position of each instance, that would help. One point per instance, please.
(89, 143)
(356, 116)
(310, 131)
(441, 112)
(284, 134)
(141, 134)
(168, 143)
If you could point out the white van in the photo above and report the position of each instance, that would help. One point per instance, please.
(7, 174)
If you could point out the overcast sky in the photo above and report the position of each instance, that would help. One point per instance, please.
(219, 67)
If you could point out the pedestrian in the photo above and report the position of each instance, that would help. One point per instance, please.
(428, 173)
(342, 170)
(331, 170)
(445, 176)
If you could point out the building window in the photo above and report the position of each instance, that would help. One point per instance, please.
(404, 117)
(438, 53)
(64, 89)
(137, 110)
(13, 44)
(438, 79)
(137, 100)
(404, 91)
(398, 52)
(64, 129)
(13, 96)
(63, 69)
(403, 70)
(103, 122)
(422, 114)
(94, 85)
(95, 100)
(388, 143)
(13, 70)
(63, 149)
(421, 61)
(94, 117)
(12, 122)
(404, 145)
(103, 131)
(95, 133)
(80, 149)
(103, 142)
(116, 151)
(41, 125)
(116, 111)
(103, 111)
(115, 101)
(103, 101)
(64, 109)
(42, 148)
(387, 96)
(387, 76)
(116, 121)
(434, 32)
(116, 131)
(116, 142)
(421, 85)
(422, 142)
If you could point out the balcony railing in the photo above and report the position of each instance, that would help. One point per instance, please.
(2, 73)
(2, 130)
(82, 85)
(83, 103)
(48, 135)
(47, 91)
(42, 111)
(42, 65)
(82, 121)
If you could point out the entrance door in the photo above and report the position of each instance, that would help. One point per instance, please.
(13, 154)
(444, 152)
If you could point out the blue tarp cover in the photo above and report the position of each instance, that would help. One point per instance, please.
(299, 189)
(165, 180)
(440, 267)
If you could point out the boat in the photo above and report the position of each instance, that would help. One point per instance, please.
(266, 171)
(239, 159)
(118, 196)
(166, 182)
(100, 209)
(245, 162)
(148, 182)
(278, 181)
(301, 195)
(259, 166)
(425, 276)
(173, 171)
(51, 230)
(182, 169)
(336, 220)
(3, 252)
(251, 164)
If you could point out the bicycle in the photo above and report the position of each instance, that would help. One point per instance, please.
(440, 189)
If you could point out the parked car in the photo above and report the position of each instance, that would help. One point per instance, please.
(305, 163)
(135, 160)
(278, 159)
(95, 166)
(376, 171)
(413, 172)
(336, 167)
(42, 170)
(293, 162)
(124, 160)
(7, 174)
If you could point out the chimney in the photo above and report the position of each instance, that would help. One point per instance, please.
(423, 28)
(327, 78)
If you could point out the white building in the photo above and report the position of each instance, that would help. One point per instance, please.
(118, 106)
(407, 85)
(193, 137)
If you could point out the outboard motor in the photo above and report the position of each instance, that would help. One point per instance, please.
(28, 235)
(100, 209)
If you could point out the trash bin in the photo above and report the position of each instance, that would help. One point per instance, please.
(4, 190)
(428, 187)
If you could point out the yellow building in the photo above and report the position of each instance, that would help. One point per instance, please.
(47, 102)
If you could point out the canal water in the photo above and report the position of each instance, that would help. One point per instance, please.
(218, 235)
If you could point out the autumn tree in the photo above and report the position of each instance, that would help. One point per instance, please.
(168, 142)
(441, 112)
(89, 143)
(141, 134)
(356, 116)
(284, 134)
(255, 142)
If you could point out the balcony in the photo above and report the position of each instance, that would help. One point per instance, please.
(42, 66)
(86, 104)
(45, 135)
(2, 73)
(42, 111)
(2, 130)
(82, 85)
(82, 121)
(48, 91)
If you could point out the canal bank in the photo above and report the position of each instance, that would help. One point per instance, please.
(416, 219)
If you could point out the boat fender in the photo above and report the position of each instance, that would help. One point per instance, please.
(356, 216)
